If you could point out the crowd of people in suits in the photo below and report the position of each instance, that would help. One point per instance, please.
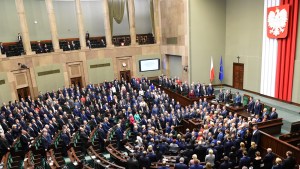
(193, 90)
(224, 140)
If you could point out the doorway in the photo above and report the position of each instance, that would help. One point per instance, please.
(23, 93)
(238, 75)
(76, 82)
(175, 64)
(125, 75)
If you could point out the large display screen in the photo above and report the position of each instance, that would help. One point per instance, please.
(149, 65)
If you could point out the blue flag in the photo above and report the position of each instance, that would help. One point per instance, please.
(221, 73)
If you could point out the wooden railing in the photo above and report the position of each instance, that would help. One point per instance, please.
(278, 147)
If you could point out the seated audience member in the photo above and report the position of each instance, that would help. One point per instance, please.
(289, 162)
(278, 164)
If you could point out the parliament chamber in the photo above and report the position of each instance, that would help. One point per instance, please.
(149, 84)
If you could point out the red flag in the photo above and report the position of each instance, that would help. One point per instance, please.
(212, 72)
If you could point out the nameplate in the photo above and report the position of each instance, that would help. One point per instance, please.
(172, 40)
(48, 72)
(99, 65)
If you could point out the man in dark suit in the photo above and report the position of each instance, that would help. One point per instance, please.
(227, 96)
(244, 161)
(4, 145)
(19, 39)
(256, 135)
(144, 161)
(84, 138)
(210, 90)
(40, 48)
(24, 140)
(226, 164)
(87, 36)
(132, 162)
(258, 107)
(102, 137)
(102, 43)
(4, 125)
(273, 114)
(66, 141)
(181, 164)
(2, 49)
(119, 134)
(250, 106)
(45, 144)
(289, 162)
(238, 99)
(269, 159)
(221, 96)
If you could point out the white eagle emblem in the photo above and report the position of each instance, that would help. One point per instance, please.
(277, 21)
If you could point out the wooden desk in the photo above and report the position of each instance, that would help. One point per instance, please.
(272, 127)
(192, 123)
(102, 161)
(120, 158)
(291, 138)
(244, 114)
(183, 100)
(229, 107)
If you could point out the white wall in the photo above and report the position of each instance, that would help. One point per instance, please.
(244, 32)
(207, 37)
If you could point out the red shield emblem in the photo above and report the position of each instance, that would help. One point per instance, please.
(277, 21)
